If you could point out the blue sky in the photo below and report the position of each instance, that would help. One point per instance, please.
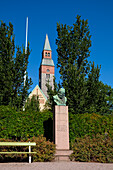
(43, 17)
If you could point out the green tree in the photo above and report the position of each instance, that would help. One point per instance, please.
(73, 50)
(73, 46)
(13, 67)
(96, 100)
(32, 104)
(109, 98)
(51, 92)
(80, 78)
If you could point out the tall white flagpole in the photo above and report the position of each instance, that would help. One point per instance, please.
(26, 34)
(26, 45)
(25, 53)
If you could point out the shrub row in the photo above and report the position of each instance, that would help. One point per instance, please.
(88, 134)
(90, 124)
(96, 149)
(22, 125)
(45, 150)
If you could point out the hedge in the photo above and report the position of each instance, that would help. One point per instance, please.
(22, 125)
(93, 149)
(90, 124)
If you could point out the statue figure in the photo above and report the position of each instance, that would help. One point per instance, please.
(60, 99)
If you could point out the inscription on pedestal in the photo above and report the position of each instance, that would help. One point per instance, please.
(62, 128)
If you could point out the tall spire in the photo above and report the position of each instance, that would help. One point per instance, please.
(47, 45)
(46, 70)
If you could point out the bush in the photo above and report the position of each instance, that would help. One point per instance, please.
(96, 149)
(90, 124)
(45, 150)
(22, 125)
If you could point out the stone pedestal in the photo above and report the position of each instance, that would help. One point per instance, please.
(61, 133)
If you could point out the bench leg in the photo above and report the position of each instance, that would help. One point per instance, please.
(29, 154)
(29, 158)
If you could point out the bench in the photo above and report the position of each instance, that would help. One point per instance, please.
(19, 144)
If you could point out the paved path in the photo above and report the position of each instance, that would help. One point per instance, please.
(56, 166)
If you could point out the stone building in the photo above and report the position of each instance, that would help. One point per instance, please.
(46, 74)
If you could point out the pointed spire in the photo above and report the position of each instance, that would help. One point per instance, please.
(47, 45)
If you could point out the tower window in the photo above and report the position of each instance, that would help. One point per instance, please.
(45, 53)
(48, 54)
(47, 76)
(48, 70)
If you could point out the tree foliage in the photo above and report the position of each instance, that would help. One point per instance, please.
(32, 104)
(13, 67)
(80, 77)
(51, 92)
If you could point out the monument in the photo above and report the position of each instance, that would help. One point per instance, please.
(61, 127)
(60, 99)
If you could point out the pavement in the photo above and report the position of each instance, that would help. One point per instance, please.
(56, 166)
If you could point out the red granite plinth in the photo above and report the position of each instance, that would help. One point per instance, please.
(61, 133)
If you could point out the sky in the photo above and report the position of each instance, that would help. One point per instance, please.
(43, 17)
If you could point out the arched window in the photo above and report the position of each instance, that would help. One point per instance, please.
(45, 53)
(48, 54)
(47, 76)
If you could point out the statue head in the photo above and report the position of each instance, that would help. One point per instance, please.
(61, 93)
(60, 99)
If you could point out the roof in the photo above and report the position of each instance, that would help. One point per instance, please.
(47, 61)
(47, 45)
(40, 90)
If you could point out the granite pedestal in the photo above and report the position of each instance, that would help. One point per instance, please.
(61, 133)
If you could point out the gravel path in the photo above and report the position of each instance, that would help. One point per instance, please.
(56, 166)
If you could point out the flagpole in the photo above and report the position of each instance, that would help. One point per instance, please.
(26, 46)
(25, 53)
(26, 34)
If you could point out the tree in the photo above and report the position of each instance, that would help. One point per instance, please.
(96, 99)
(80, 78)
(73, 46)
(73, 50)
(13, 67)
(51, 92)
(32, 104)
(109, 98)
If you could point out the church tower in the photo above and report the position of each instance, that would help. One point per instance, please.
(46, 70)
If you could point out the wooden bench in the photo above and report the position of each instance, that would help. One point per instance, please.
(19, 144)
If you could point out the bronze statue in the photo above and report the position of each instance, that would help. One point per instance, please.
(60, 99)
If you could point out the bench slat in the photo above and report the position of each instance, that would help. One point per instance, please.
(17, 144)
(18, 152)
